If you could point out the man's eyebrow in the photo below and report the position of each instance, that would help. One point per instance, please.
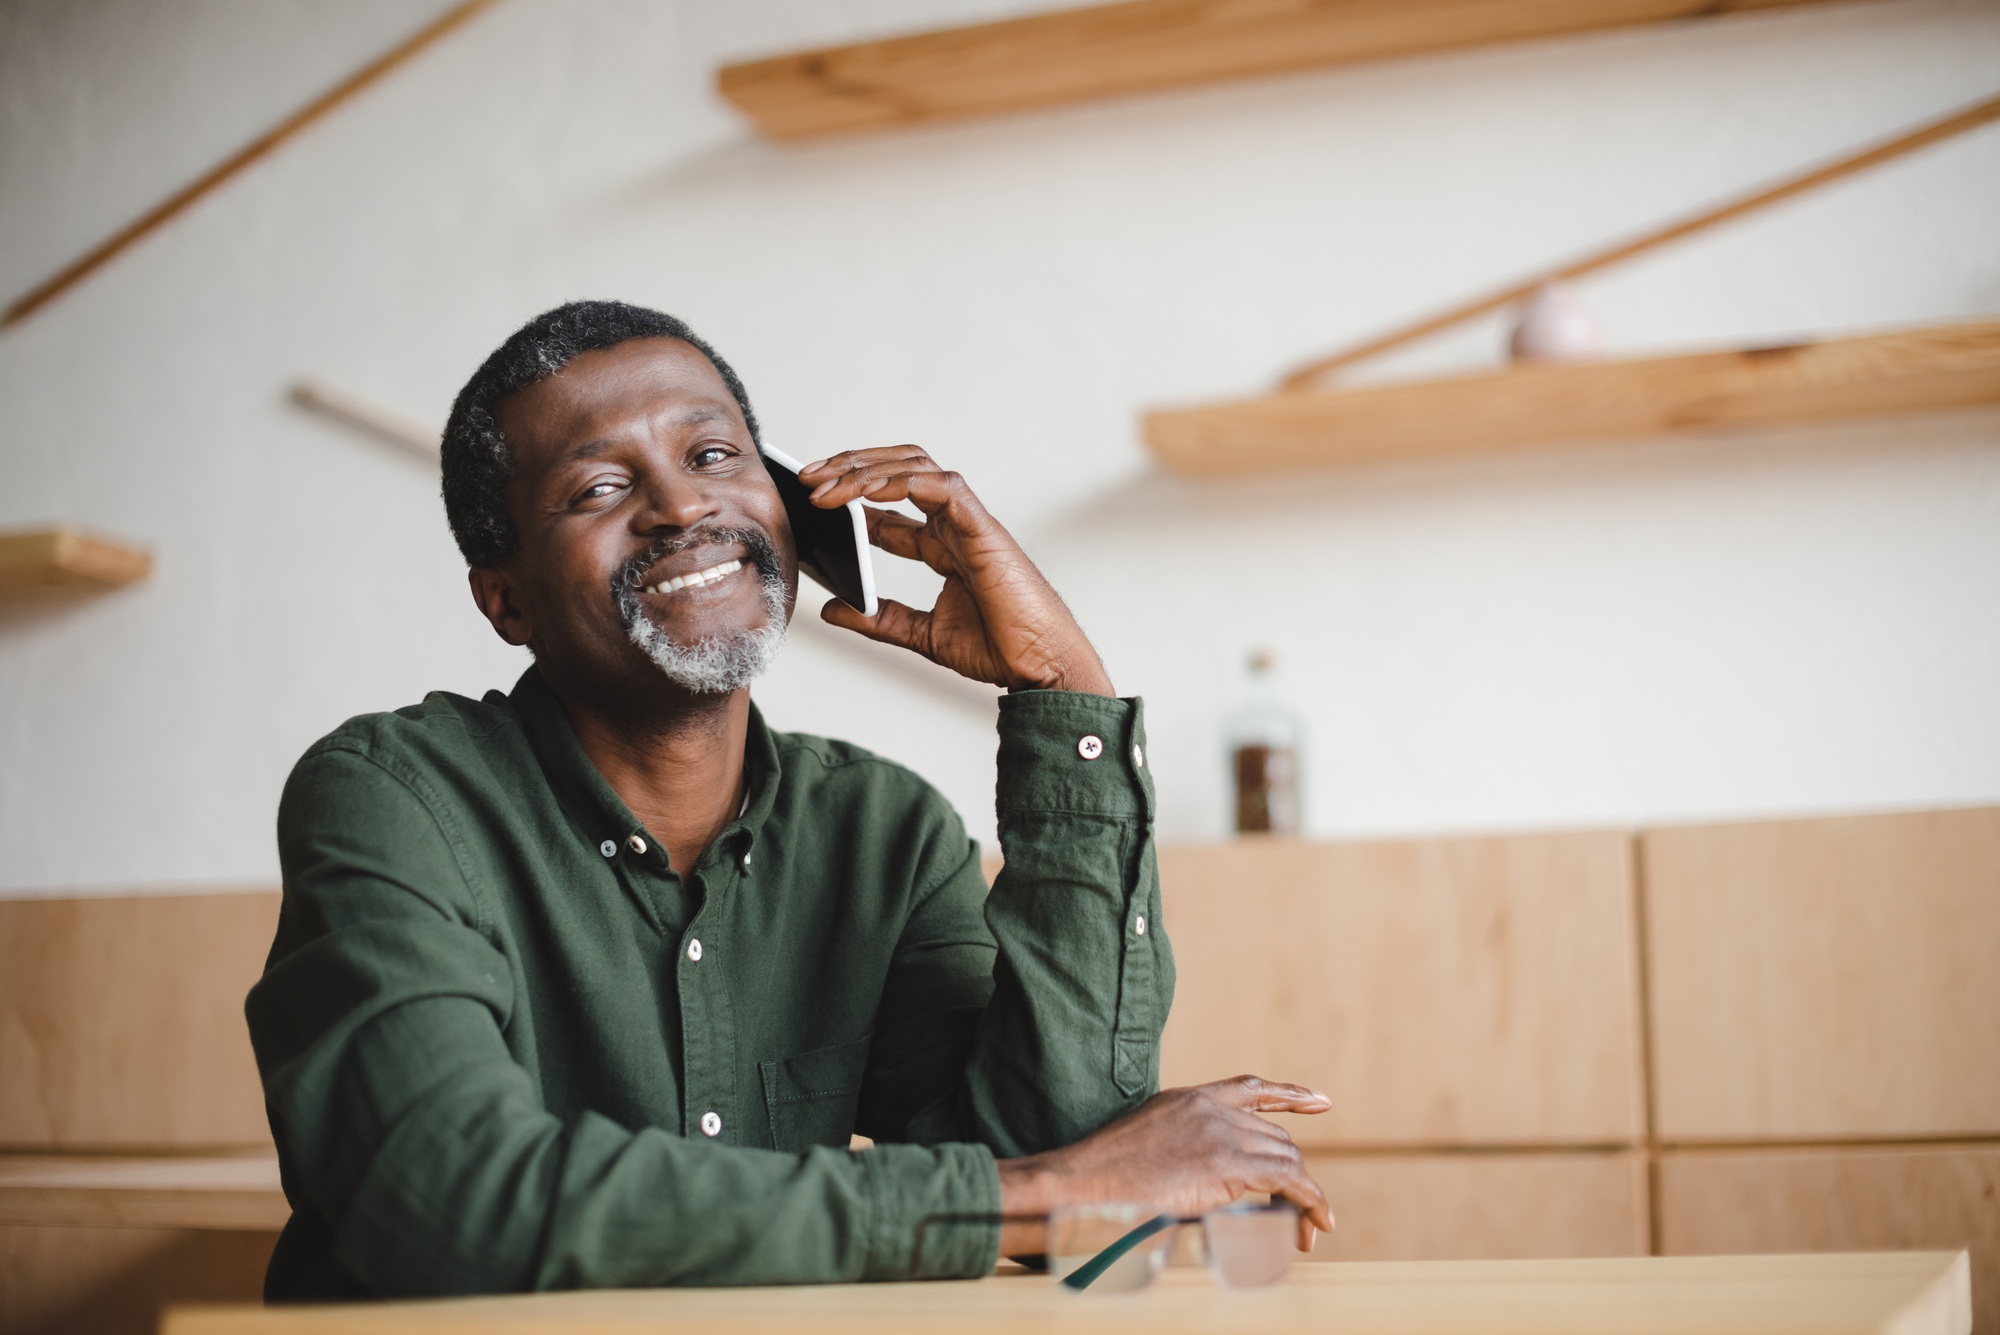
(589, 449)
(596, 449)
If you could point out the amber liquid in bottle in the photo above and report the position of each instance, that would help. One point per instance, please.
(1264, 743)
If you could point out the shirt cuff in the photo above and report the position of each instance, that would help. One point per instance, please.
(937, 1211)
(1074, 752)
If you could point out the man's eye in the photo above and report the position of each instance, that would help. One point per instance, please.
(710, 455)
(597, 490)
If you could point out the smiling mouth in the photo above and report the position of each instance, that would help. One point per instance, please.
(695, 579)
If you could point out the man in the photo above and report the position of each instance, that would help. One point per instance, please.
(589, 984)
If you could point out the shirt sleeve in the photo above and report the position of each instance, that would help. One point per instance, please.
(1068, 1037)
(416, 1144)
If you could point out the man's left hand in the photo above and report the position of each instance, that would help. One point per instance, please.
(996, 619)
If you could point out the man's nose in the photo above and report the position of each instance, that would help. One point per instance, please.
(670, 500)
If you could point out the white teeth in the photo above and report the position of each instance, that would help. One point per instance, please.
(696, 579)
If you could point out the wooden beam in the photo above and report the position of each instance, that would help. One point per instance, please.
(260, 147)
(1079, 54)
(1923, 136)
(354, 411)
(63, 560)
(1945, 366)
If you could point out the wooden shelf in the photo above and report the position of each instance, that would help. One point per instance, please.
(1945, 366)
(63, 560)
(237, 1193)
(1078, 54)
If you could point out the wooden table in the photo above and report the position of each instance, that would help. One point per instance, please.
(1898, 1293)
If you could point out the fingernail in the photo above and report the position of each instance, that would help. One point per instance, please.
(823, 488)
(814, 466)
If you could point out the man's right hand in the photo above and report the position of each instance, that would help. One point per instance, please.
(1184, 1151)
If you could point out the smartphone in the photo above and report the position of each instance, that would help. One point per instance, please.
(833, 544)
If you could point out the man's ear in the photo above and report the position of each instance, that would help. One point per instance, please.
(493, 590)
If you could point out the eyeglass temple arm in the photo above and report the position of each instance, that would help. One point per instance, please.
(1086, 1274)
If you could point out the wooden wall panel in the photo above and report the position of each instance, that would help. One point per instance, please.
(121, 1021)
(1425, 1207)
(1716, 1202)
(1444, 991)
(1826, 979)
(114, 1281)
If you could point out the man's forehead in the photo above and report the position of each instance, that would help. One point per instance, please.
(641, 382)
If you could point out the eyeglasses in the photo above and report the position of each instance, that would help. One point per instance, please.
(1120, 1248)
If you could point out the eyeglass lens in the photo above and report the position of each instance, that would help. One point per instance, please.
(1250, 1246)
(1109, 1248)
(1120, 1248)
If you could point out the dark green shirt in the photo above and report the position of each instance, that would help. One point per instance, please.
(505, 1046)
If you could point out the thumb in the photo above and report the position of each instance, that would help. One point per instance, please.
(893, 623)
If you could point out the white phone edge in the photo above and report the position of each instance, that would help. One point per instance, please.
(860, 517)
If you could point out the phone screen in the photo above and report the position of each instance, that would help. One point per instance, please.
(833, 544)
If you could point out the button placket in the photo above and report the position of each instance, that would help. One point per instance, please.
(708, 1029)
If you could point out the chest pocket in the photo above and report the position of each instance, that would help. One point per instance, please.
(812, 1097)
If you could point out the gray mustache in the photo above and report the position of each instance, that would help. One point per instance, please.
(631, 576)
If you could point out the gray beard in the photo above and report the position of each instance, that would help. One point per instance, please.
(717, 664)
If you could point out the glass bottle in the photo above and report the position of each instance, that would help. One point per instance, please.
(1264, 757)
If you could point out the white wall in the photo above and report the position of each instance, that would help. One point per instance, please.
(1781, 622)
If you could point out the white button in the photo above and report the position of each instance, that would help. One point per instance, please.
(636, 844)
(1090, 748)
(746, 859)
(711, 1124)
(694, 951)
(1140, 926)
(1138, 757)
(609, 849)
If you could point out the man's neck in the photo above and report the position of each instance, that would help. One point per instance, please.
(678, 765)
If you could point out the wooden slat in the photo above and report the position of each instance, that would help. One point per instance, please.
(1946, 366)
(64, 560)
(1911, 141)
(166, 1192)
(1906, 1293)
(1448, 1207)
(121, 1021)
(251, 153)
(1106, 50)
(1839, 1200)
(352, 410)
(1441, 992)
(1826, 979)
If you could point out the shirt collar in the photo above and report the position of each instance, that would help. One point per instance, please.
(600, 813)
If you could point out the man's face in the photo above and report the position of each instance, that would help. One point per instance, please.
(633, 468)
